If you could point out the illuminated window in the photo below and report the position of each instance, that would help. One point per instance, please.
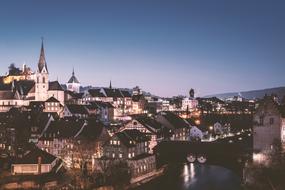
(129, 155)
(120, 155)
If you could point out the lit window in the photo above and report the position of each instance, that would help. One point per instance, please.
(129, 155)
(120, 155)
(113, 155)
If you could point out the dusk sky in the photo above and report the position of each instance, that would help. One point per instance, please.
(165, 47)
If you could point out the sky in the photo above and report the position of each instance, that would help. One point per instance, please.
(165, 47)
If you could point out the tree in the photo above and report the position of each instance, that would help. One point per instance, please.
(119, 174)
(13, 70)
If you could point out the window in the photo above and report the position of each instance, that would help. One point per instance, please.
(129, 155)
(38, 80)
(120, 155)
(113, 155)
(271, 121)
(44, 80)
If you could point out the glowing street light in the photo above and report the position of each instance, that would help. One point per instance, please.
(198, 122)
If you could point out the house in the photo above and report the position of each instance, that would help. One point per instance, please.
(138, 101)
(40, 121)
(36, 162)
(75, 110)
(120, 99)
(14, 131)
(102, 110)
(71, 97)
(269, 125)
(53, 105)
(178, 127)
(126, 144)
(195, 134)
(150, 127)
(132, 147)
(75, 141)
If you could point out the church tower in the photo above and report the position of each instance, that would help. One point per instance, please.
(73, 84)
(41, 79)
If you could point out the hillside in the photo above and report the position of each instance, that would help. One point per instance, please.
(279, 91)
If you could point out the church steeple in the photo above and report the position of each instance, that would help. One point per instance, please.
(110, 86)
(42, 65)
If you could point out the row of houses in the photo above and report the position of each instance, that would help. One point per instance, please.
(82, 142)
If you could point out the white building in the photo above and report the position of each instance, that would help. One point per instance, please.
(189, 103)
(269, 125)
(73, 83)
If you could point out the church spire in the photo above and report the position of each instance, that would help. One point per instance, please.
(73, 72)
(42, 61)
(110, 86)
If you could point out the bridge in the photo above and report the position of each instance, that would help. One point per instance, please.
(229, 152)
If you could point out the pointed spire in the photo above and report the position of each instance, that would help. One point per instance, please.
(73, 72)
(110, 86)
(42, 61)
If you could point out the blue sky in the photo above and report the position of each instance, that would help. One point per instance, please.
(166, 47)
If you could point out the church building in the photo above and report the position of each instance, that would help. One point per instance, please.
(37, 87)
(73, 84)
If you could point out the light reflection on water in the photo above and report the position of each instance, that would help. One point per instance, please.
(195, 177)
(188, 173)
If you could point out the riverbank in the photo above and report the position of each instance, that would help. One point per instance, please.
(138, 181)
(135, 182)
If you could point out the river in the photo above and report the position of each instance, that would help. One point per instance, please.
(194, 177)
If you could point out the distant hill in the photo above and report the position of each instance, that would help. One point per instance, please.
(279, 91)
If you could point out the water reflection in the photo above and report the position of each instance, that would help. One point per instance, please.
(188, 173)
(195, 177)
